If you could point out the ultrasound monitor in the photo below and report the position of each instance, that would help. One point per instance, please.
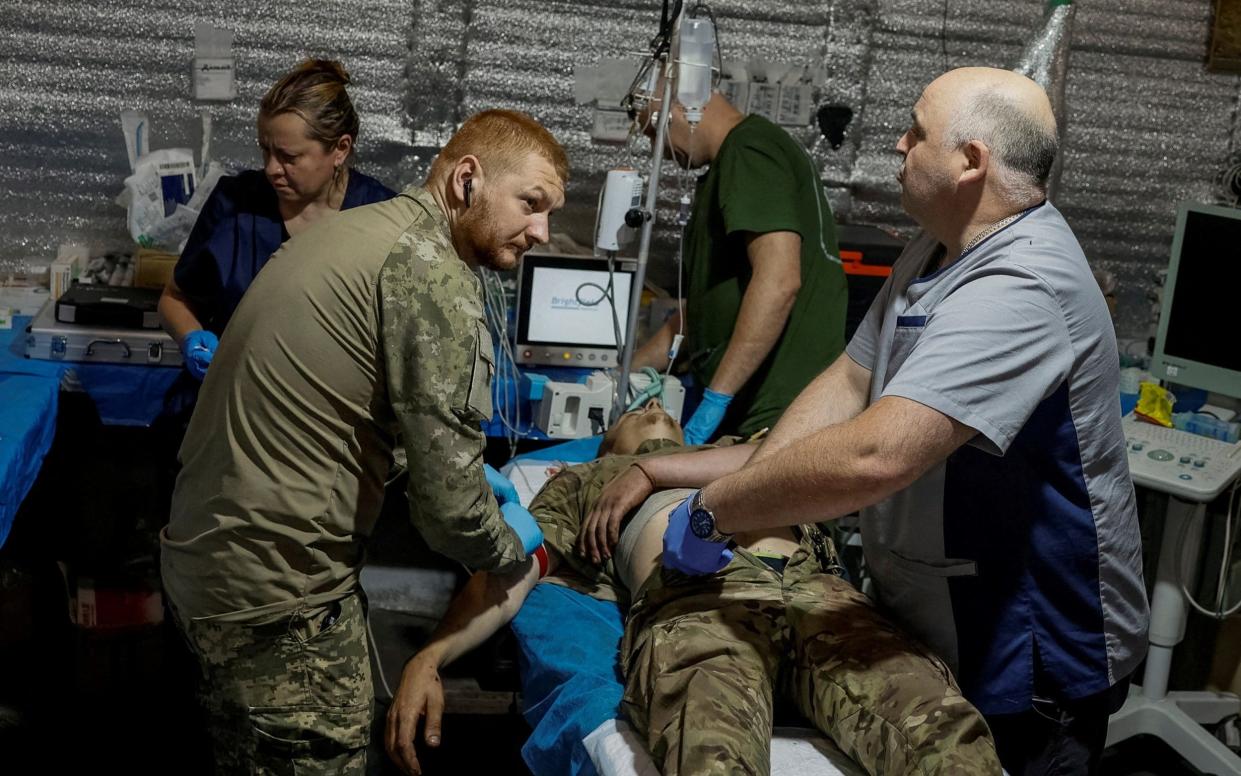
(1197, 344)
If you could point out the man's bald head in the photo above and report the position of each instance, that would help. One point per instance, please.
(1011, 115)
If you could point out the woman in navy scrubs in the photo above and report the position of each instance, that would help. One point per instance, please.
(307, 128)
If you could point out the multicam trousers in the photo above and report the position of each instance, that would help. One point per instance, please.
(704, 657)
(292, 697)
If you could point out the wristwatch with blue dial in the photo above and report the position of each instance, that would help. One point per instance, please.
(702, 522)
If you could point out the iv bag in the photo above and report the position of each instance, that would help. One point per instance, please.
(695, 55)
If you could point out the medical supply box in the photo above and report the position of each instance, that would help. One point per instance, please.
(50, 339)
(153, 268)
(85, 304)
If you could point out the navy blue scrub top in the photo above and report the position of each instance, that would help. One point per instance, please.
(236, 233)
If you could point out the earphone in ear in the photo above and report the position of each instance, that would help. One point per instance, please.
(468, 186)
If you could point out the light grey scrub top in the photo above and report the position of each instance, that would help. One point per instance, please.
(1018, 559)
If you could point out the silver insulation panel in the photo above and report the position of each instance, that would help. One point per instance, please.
(1147, 126)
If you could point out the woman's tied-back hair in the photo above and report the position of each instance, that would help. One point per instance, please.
(502, 140)
(315, 90)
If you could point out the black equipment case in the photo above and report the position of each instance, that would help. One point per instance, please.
(116, 306)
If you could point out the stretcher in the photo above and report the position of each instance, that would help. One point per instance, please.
(616, 749)
(571, 688)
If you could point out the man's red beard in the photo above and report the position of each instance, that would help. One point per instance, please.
(483, 239)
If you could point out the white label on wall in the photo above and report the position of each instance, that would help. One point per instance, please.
(736, 92)
(611, 126)
(764, 100)
(213, 78)
(795, 105)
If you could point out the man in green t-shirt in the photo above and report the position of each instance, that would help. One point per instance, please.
(766, 293)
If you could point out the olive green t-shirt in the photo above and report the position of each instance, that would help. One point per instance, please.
(762, 181)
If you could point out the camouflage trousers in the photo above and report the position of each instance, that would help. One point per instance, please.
(704, 658)
(291, 697)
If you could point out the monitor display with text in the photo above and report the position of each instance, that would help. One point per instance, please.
(570, 308)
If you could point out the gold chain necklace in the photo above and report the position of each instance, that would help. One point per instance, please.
(990, 230)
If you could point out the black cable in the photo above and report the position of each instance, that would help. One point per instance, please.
(659, 46)
(605, 293)
(663, 40)
(616, 330)
(943, 35)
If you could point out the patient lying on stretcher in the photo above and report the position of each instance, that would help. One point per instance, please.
(704, 658)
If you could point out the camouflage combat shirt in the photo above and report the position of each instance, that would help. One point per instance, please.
(364, 326)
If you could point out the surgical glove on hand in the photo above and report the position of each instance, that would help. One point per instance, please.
(523, 524)
(502, 486)
(198, 348)
(688, 554)
(707, 417)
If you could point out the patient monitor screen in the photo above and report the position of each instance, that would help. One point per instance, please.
(568, 306)
(1208, 286)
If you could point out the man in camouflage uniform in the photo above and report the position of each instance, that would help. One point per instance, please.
(367, 326)
(704, 658)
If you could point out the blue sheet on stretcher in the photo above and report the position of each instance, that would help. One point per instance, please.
(570, 675)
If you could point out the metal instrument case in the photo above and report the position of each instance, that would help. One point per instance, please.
(49, 339)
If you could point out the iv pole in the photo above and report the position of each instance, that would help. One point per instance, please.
(644, 245)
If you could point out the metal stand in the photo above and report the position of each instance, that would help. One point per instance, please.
(644, 247)
(1177, 717)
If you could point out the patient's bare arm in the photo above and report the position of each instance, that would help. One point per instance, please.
(601, 529)
(484, 605)
(693, 470)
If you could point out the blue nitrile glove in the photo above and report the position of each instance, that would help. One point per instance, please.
(707, 417)
(685, 552)
(522, 523)
(198, 348)
(502, 486)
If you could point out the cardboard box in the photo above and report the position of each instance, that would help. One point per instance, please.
(71, 260)
(153, 268)
(61, 274)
